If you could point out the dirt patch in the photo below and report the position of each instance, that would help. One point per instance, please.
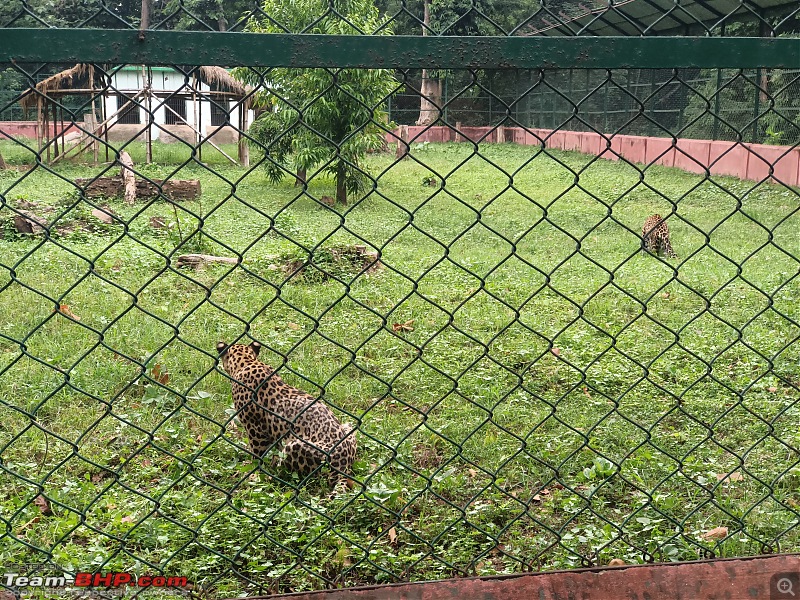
(427, 456)
(31, 218)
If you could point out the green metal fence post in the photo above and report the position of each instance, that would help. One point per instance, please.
(445, 99)
(550, 124)
(570, 95)
(605, 102)
(717, 107)
(754, 137)
(650, 125)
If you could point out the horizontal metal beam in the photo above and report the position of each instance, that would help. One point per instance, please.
(754, 578)
(446, 52)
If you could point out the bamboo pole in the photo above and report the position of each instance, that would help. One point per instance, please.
(103, 112)
(95, 143)
(220, 150)
(103, 126)
(39, 124)
(196, 113)
(63, 130)
(244, 151)
(55, 130)
(149, 131)
(46, 112)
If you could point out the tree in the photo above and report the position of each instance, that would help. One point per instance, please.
(320, 119)
(430, 97)
(447, 17)
(202, 14)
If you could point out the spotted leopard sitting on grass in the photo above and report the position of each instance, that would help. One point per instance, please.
(273, 411)
(655, 237)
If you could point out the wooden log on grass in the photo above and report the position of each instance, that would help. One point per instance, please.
(174, 189)
(107, 187)
(112, 187)
(402, 143)
(27, 222)
(128, 179)
(199, 260)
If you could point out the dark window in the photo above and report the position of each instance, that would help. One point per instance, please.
(130, 114)
(219, 111)
(175, 110)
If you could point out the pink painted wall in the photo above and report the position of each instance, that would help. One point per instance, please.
(742, 160)
(27, 129)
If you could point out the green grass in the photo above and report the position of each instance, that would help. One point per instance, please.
(563, 399)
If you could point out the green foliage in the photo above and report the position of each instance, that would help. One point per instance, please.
(459, 17)
(739, 100)
(204, 14)
(324, 120)
(534, 460)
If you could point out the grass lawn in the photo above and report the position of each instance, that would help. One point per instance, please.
(557, 398)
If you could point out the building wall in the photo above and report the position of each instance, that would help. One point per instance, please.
(167, 81)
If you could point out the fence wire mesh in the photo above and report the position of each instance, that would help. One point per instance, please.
(530, 389)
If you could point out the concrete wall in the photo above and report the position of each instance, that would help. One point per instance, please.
(27, 129)
(746, 161)
(119, 132)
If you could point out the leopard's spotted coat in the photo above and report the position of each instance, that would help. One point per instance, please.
(272, 411)
(655, 237)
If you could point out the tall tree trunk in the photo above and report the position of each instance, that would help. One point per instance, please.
(341, 190)
(430, 89)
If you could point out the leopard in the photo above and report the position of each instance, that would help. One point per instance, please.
(275, 414)
(655, 237)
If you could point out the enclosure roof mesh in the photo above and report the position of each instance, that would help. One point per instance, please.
(649, 17)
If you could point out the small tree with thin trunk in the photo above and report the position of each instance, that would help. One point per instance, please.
(323, 120)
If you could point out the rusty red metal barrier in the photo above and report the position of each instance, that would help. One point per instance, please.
(759, 578)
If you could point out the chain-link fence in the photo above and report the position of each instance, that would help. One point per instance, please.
(529, 388)
(760, 105)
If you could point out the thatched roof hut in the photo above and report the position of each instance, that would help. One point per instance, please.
(195, 84)
(82, 78)
(219, 78)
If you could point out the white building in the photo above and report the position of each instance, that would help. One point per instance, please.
(205, 102)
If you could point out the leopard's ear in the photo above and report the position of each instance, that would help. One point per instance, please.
(255, 346)
(221, 346)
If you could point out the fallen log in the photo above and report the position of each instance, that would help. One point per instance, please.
(112, 187)
(128, 179)
(103, 215)
(198, 260)
(27, 222)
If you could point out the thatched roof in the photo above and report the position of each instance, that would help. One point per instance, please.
(61, 83)
(78, 78)
(220, 78)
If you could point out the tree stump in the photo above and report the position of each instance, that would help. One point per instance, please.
(402, 145)
(27, 222)
(128, 178)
